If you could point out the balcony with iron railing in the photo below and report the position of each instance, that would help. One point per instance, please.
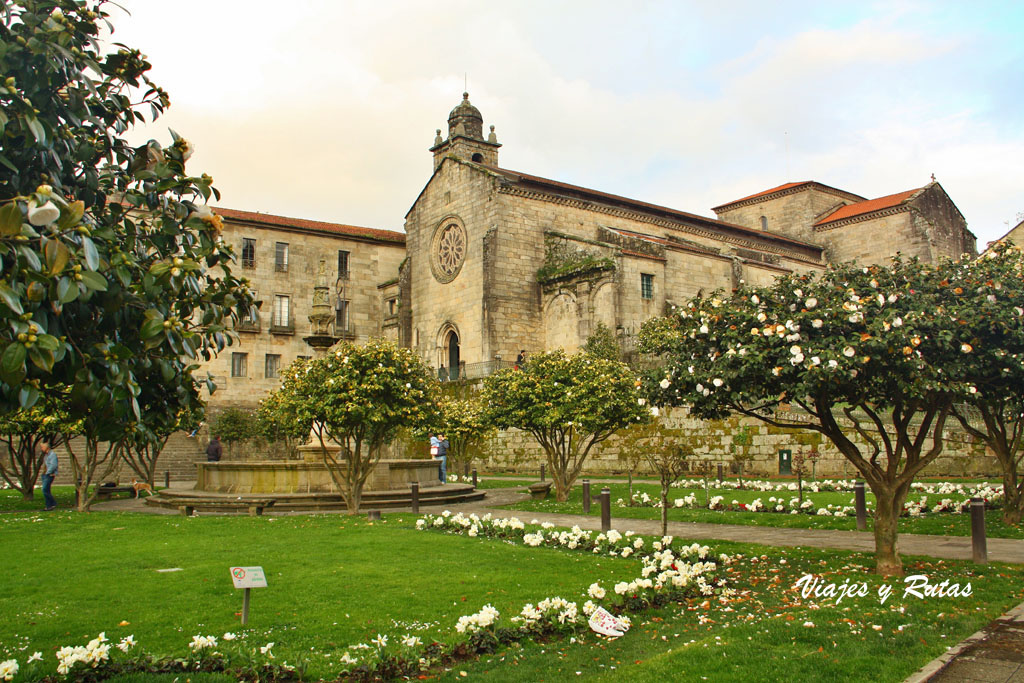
(472, 371)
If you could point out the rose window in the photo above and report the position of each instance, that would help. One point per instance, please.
(449, 251)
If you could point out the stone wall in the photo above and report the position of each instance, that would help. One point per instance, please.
(517, 451)
(791, 212)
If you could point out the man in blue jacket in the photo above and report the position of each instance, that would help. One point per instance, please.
(49, 474)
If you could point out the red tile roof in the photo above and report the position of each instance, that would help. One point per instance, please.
(304, 224)
(860, 208)
(787, 186)
(767, 192)
(517, 177)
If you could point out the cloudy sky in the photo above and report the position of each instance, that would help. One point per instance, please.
(325, 109)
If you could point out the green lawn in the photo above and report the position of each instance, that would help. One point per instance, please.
(11, 500)
(336, 581)
(948, 524)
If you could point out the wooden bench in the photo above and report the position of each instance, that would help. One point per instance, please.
(105, 492)
(254, 506)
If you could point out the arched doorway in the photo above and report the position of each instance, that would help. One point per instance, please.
(451, 346)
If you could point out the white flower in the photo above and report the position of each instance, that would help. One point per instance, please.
(42, 215)
(717, 382)
(380, 640)
(817, 323)
(761, 317)
(654, 411)
(795, 350)
(8, 669)
(36, 657)
(754, 299)
(641, 401)
(229, 636)
(849, 352)
(966, 348)
(665, 383)
(810, 303)
(815, 360)
(411, 641)
(265, 650)
(703, 329)
(596, 591)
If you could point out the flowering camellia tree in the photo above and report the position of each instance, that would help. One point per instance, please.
(277, 419)
(569, 404)
(986, 298)
(358, 397)
(861, 350)
(112, 263)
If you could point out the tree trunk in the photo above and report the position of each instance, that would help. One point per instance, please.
(28, 494)
(1013, 502)
(664, 508)
(887, 556)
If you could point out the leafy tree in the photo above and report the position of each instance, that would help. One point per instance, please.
(145, 440)
(112, 263)
(849, 348)
(234, 425)
(986, 299)
(665, 450)
(569, 404)
(634, 442)
(602, 344)
(464, 422)
(22, 431)
(358, 397)
(277, 420)
(742, 441)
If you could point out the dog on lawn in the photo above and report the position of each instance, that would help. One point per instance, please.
(141, 486)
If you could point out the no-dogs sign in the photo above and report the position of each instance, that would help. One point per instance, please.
(248, 577)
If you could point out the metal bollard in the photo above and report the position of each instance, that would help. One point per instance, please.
(721, 467)
(979, 548)
(606, 509)
(586, 496)
(373, 515)
(474, 478)
(861, 505)
(415, 497)
(542, 472)
(167, 479)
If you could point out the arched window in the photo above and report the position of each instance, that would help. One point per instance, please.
(764, 223)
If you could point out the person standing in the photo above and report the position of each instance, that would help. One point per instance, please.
(442, 455)
(214, 450)
(520, 359)
(49, 474)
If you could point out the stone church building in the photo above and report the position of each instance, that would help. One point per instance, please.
(493, 261)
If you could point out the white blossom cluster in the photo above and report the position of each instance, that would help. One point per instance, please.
(202, 643)
(471, 623)
(92, 655)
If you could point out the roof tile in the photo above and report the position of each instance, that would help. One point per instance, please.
(860, 208)
(304, 224)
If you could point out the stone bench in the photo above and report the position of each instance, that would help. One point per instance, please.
(105, 492)
(254, 506)
(539, 490)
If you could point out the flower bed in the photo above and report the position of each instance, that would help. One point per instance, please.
(993, 498)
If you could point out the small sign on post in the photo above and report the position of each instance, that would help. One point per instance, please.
(248, 578)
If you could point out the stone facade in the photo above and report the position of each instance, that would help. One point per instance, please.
(281, 259)
(543, 262)
(923, 222)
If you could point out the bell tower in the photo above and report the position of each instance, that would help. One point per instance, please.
(466, 137)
